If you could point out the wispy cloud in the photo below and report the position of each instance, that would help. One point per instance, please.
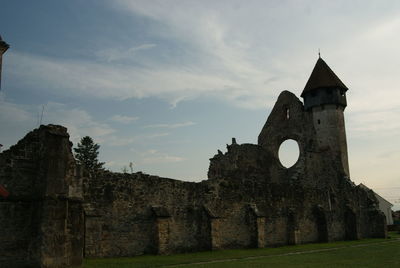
(25, 117)
(92, 79)
(115, 54)
(123, 119)
(176, 125)
(222, 53)
(153, 156)
(79, 122)
(375, 123)
(119, 141)
(18, 113)
(156, 135)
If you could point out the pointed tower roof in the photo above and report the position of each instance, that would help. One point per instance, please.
(322, 77)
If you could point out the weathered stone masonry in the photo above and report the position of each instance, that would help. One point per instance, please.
(249, 200)
(41, 221)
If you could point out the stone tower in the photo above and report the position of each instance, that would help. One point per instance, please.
(3, 48)
(325, 98)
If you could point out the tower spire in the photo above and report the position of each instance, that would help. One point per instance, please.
(322, 77)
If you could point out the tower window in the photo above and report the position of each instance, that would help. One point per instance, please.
(287, 113)
(319, 122)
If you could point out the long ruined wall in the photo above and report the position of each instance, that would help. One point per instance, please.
(131, 214)
(134, 214)
(249, 200)
(41, 221)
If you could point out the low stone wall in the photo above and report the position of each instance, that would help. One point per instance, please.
(135, 214)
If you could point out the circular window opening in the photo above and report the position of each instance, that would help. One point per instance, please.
(289, 153)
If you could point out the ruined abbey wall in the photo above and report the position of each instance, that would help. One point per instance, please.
(55, 214)
(132, 214)
(41, 221)
(249, 200)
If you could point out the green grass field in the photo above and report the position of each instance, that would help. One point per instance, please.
(360, 253)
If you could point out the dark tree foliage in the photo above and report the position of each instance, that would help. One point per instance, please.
(86, 154)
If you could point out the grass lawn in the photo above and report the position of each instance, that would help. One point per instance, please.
(360, 253)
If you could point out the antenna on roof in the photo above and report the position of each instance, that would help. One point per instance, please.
(319, 53)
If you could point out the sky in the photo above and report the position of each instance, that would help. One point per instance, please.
(164, 84)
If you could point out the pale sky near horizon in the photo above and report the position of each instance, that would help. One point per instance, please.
(164, 84)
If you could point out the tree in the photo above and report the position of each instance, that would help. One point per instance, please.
(86, 154)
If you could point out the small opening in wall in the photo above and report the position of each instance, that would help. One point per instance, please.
(319, 122)
(287, 113)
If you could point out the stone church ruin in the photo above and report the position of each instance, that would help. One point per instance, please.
(56, 213)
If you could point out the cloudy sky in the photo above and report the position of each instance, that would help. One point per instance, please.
(164, 84)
